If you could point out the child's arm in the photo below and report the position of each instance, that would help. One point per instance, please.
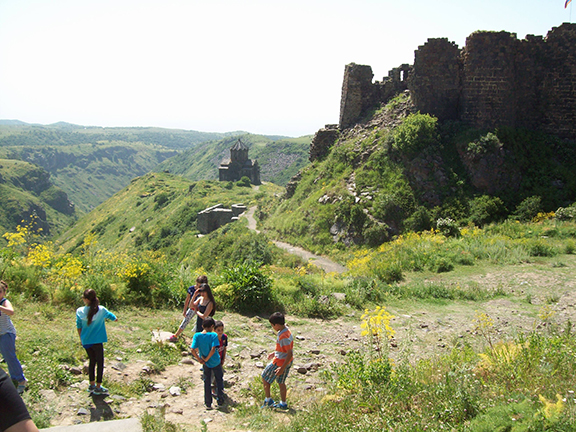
(223, 356)
(210, 354)
(287, 360)
(197, 356)
(206, 313)
(7, 308)
(186, 303)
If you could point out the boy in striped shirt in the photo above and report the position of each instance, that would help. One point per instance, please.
(280, 366)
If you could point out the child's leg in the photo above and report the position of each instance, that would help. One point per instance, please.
(8, 349)
(91, 365)
(283, 391)
(267, 392)
(207, 386)
(185, 321)
(219, 377)
(99, 357)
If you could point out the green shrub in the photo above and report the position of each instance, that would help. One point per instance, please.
(528, 209)
(388, 272)
(538, 247)
(419, 221)
(485, 144)
(486, 209)
(249, 288)
(243, 182)
(416, 133)
(376, 234)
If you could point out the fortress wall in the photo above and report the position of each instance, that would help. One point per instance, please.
(488, 84)
(495, 80)
(559, 82)
(435, 80)
(358, 93)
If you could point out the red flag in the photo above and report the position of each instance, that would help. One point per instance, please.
(567, 3)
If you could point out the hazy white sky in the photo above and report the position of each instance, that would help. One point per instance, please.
(264, 66)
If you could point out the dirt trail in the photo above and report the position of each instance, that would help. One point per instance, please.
(324, 263)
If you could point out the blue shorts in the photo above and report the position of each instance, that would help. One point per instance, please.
(269, 374)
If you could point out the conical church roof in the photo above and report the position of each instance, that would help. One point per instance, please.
(239, 145)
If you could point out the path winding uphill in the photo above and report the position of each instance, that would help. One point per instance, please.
(326, 264)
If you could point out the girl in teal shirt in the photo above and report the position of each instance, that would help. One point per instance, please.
(91, 325)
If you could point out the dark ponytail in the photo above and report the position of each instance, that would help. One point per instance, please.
(90, 295)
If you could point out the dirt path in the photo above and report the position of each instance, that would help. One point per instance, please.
(324, 263)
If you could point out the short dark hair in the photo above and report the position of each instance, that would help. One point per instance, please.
(218, 324)
(208, 322)
(277, 318)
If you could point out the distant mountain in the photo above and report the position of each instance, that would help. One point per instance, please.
(92, 163)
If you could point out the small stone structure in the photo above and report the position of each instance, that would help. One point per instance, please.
(495, 80)
(216, 216)
(239, 165)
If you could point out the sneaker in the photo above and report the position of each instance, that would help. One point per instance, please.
(100, 391)
(91, 388)
(173, 338)
(21, 387)
(281, 405)
(267, 404)
(208, 407)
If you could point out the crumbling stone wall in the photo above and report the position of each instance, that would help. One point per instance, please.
(323, 140)
(495, 80)
(216, 216)
(358, 93)
(436, 79)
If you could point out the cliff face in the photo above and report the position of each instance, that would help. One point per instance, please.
(495, 80)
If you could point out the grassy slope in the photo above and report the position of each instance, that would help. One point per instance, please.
(17, 199)
(167, 225)
(369, 186)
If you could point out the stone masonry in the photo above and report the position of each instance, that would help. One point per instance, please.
(495, 80)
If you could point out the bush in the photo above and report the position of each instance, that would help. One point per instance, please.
(248, 288)
(416, 133)
(486, 209)
(418, 221)
(243, 182)
(484, 144)
(567, 213)
(376, 234)
(448, 227)
(528, 209)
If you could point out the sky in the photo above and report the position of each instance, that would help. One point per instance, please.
(263, 66)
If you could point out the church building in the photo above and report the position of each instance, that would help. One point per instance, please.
(239, 165)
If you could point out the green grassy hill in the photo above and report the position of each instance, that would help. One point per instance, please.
(399, 171)
(26, 190)
(93, 163)
(279, 157)
(157, 212)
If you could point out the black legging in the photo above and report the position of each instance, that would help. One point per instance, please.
(96, 356)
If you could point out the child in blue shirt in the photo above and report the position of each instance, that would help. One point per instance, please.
(91, 325)
(205, 350)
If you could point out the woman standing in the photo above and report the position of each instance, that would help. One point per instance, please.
(8, 339)
(205, 305)
(91, 325)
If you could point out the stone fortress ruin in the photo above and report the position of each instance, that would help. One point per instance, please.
(495, 80)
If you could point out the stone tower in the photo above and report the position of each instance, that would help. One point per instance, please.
(239, 165)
